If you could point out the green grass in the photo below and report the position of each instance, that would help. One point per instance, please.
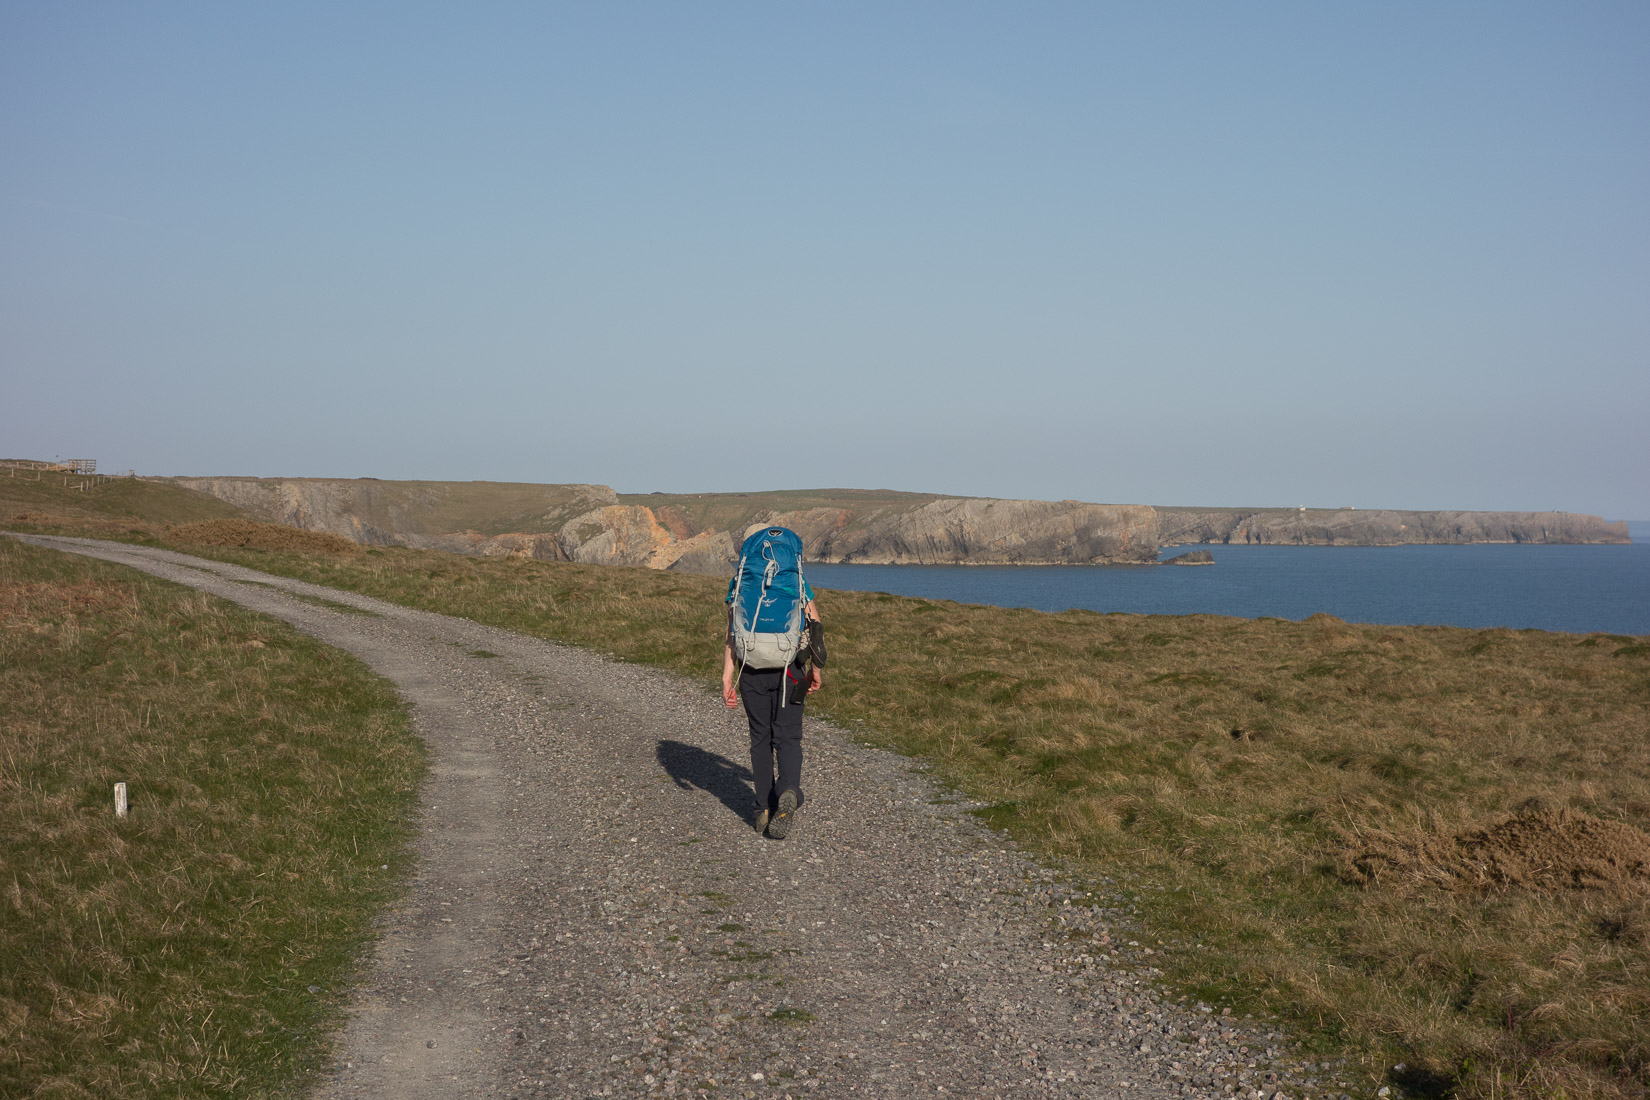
(792, 1016)
(1232, 773)
(203, 946)
(109, 507)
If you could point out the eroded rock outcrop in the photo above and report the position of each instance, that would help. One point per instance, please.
(966, 531)
(817, 527)
(619, 534)
(707, 552)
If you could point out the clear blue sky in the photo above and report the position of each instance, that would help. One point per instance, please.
(1382, 254)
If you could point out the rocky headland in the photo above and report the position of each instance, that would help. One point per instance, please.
(1379, 527)
(973, 531)
(700, 532)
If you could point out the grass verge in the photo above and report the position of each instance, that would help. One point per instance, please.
(1417, 845)
(201, 946)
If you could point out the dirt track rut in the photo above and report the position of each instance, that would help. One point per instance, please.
(593, 914)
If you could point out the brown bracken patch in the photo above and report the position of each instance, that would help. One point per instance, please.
(1542, 850)
(260, 536)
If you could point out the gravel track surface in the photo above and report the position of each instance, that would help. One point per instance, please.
(594, 915)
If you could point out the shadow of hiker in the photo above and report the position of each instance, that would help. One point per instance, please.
(690, 766)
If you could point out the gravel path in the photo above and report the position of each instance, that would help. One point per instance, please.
(594, 915)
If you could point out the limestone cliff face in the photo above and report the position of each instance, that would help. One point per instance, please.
(427, 514)
(818, 528)
(622, 534)
(946, 531)
(707, 552)
(1353, 527)
(314, 505)
(968, 531)
(422, 515)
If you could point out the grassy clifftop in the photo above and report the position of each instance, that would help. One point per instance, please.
(733, 512)
(421, 508)
(105, 503)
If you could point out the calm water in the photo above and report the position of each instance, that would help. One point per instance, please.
(1574, 588)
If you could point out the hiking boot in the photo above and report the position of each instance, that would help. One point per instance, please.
(779, 827)
(762, 819)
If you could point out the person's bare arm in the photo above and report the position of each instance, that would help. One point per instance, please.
(730, 693)
(816, 679)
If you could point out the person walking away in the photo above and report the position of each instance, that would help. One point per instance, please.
(771, 659)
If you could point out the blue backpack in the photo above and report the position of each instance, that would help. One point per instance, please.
(767, 597)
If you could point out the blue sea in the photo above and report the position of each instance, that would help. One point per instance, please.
(1571, 588)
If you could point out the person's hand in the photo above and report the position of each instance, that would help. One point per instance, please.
(730, 697)
(816, 679)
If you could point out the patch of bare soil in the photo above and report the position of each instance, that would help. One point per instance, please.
(260, 536)
(1541, 850)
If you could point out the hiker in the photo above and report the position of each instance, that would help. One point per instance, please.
(771, 658)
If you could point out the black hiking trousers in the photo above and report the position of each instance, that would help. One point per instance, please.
(776, 732)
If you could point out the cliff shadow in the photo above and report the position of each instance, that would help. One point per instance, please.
(690, 767)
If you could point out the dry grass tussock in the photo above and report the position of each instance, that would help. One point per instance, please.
(1535, 850)
(1225, 769)
(248, 533)
(172, 952)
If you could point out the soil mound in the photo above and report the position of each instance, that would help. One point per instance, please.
(260, 536)
(1544, 850)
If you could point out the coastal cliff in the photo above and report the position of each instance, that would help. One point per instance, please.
(592, 524)
(1359, 527)
(700, 533)
(492, 518)
(971, 531)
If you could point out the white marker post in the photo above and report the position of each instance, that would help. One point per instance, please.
(120, 800)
